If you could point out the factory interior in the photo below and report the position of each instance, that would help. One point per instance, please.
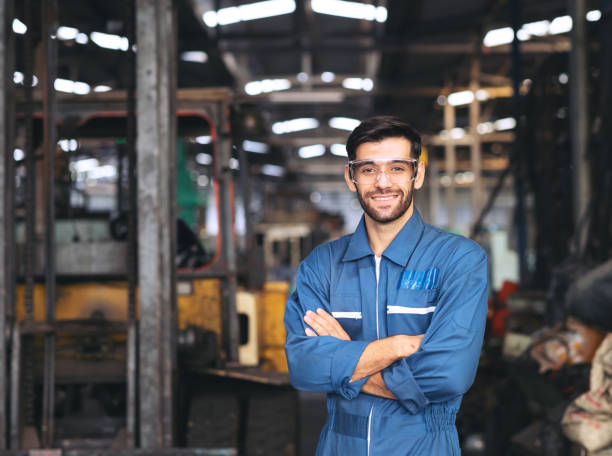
(167, 164)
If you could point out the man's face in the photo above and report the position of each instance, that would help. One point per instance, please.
(387, 199)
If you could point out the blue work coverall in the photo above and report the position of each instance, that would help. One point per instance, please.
(431, 282)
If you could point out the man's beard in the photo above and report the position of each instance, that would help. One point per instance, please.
(402, 207)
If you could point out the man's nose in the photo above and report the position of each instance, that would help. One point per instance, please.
(382, 180)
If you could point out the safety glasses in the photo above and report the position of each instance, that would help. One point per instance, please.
(397, 170)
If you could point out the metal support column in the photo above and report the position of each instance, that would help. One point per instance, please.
(578, 118)
(475, 145)
(228, 253)
(450, 164)
(49, 22)
(434, 189)
(156, 133)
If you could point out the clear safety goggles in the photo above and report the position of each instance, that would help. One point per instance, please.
(397, 170)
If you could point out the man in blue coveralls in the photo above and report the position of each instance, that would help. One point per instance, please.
(389, 320)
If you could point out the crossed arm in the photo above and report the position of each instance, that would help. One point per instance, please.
(377, 355)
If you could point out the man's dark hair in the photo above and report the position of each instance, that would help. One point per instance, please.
(375, 129)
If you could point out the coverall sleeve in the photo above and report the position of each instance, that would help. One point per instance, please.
(445, 365)
(322, 363)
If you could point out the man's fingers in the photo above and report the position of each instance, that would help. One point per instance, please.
(314, 321)
(310, 332)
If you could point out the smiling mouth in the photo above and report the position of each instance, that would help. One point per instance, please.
(384, 197)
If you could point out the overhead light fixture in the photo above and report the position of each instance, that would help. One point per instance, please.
(67, 33)
(82, 38)
(457, 133)
(108, 41)
(18, 154)
(328, 76)
(68, 86)
(293, 125)
(461, 98)
(249, 12)
(358, 84)
(18, 78)
(254, 146)
(302, 77)
(485, 127)
(344, 123)
(203, 159)
(194, 56)
(339, 150)
(352, 10)
(206, 139)
(266, 86)
(102, 172)
(102, 88)
(500, 36)
(19, 27)
(562, 24)
(507, 123)
(68, 145)
(315, 150)
(273, 170)
(593, 15)
(234, 163)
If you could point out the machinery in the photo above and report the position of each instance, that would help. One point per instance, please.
(76, 365)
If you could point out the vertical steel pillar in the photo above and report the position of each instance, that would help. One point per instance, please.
(579, 114)
(228, 247)
(5, 156)
(434, 189)
(49, 22)
(450, 163)
(475, 145)
(156, 133)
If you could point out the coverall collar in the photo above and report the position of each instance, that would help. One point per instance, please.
(401, 247)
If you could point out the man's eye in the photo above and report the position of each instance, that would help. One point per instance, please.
(399, 169)
(368, 170)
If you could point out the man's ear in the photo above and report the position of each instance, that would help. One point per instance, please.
(349, 182)
(418, 182)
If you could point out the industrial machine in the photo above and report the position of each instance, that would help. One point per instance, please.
(75, 362)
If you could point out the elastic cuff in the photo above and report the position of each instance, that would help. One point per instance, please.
(399, 380)
(343, 365)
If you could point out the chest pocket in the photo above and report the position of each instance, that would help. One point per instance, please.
(347, 310)
(411, 312)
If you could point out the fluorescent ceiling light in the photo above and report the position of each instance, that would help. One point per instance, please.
(18, 154)
(194, 56)
(352, 10)
(67, 33)
(316, 150)
(67, 86)
(273, 170)
(482, 95)
(249, 12)
(107, 41)
(327, 76)
(234, 163)
(593, 15)
(498, 37)
(82, 38)
(302, 77)
(485, 127)
(358, 84)
(254, 146)
(457, 133)
(293, 125)
(339, 150)
(203, 159)
(343, 123)
(68, 145)
(507, 123)
(561, 24)
(539, 28)
(204, 139)
(19, 27)
(461, 98)
(102, 88)
(266, 86)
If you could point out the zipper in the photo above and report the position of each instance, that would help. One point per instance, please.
(377, 268)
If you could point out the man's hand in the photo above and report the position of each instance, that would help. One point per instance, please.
(324, 325)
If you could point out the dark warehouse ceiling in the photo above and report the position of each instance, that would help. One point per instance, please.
(424, 48)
